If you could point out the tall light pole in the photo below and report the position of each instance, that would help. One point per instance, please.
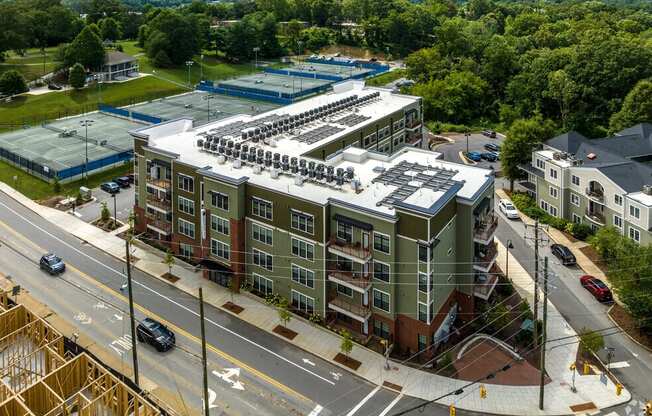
(189, 64)
(508, 247)
(98, 79)
(208, 99)
(115, 211)
(256, 50)
(85, 123)
(201, 67)
(466, 134)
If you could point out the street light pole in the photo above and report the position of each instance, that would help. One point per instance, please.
(189, 64)
(85, 123)
(201, 68)
(115, 211)
(508, 246)
(466, 134)
(256, 49)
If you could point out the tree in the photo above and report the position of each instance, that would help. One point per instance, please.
(169, 260)
(517, 148)
(346, 346)
(162, 60)
(109, 29)
(143, 32)
(56, 185)
(12, 82)
(498, 317)
(636, 108)
(591, 341)
(176, 34)
(105, 214)
(77, 76)
(86, 49)
(564, 91)
(284, 314)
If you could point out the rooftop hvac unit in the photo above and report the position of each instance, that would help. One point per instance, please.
(243, 156)
(294, 169)
(319, 175)
(251, 158)
(221, 159)
(340, 173)
(311, 165)
(355, 185)
(330, 169)
(237, 164)
(304, 171)
(220, 149)
(276, 164)
(285, 166)
(556, 155)
(340, 180)
(245, 148)
(229, 151)
(293, 161)
(329, 176)
(277, 156)
(236, 153)
(298, 180)
(274, 173)
(260, 153)
(257, 169)
(207, 145)
(260, 160)
(268, 155)
(647, 189)
(229, 144)
(268, 162)
(302, 163)
(350, 171)
(238, 146)
(200, 143)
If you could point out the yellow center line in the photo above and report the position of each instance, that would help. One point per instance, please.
(175, 328)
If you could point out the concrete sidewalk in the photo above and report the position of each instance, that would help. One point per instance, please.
(501, 399)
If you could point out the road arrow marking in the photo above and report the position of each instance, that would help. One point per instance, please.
(117, 317)
(226, 376)
(212, 396)
(83, 319)
(336, 376)
(307, 361)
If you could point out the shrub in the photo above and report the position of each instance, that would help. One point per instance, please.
(105, 214)
(77, 76)
(12, 82)
(445, 361)
(590, 340)
(579, 231)
(638, 302)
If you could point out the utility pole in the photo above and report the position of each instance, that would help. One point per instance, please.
(134, 353)
(203, 351)
(537, 241)
(542, 361)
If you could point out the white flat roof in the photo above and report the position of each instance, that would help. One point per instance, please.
(642, 198)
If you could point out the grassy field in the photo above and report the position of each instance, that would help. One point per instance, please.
(386, 78)
(38, 189)
(30, 64)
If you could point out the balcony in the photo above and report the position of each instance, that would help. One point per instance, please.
(158, 224)
(412, 124)
(595, 217)
(344, 305)
(595, 194)
(358, 281)
(162, 184)
(161, 204)
(483, 232)
(352, 251)
(485, 257)
(484, 285)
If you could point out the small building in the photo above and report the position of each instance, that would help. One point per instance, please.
(118, 66)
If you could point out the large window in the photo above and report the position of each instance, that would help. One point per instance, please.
(553, 173)
(618, 200)
(575, 199)
(423, 312)
(618, 221)
(303, 249)
(381, 271)
(381, 242)
(423, 253)
(263, 284)
(575, 180)
(303, 276)
(220, 201)
(262, 259)
(344, 232)
(553, 192)
(635, 234)
(303, 303)
(186, 228)
(220, 225)
(186, 183)
(186, 205)
(185, 250)
(381, 300)
(381, 329)
(220, 249)
(634, 211)
(261, 208)
(262, 234)
(423, 282)
(303, 222)
(344, 290)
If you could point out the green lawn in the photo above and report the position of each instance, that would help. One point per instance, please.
(38, 189)
(30, 64)
(33, 109)
(30, 72)
(385, 78)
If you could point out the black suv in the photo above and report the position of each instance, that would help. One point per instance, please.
(564, 254)
(156, 334)
(493, 147)
(122, 181)
(52, 264)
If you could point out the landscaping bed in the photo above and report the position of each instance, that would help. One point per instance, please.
(595, 258)
(284, 332)
(236, 309)
(107, 225)
(170, 277)
(629, 325)
(347, 361)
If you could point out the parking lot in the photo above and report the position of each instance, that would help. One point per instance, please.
(124, 201)
(451, 151)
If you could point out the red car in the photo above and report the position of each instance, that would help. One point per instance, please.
(597, 288)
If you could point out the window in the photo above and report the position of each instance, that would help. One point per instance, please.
(186, 183)
(219, 224)
(303, 249)
(381, 242)
(544, 205)
(262, 259)
(303, 222)
(186, 228)
(220, 249)
(577, 219)
(381, 300)
(263, 284)
(618, 200)
(553, 192)
(575, 199)
(186, 205)
(423, 253)
(423, 282)
(423, 312)
(344, 232)
(381, 271)
(421, 342)
(261, 208)
(541, 164)
(553, 211)
(634, 211)
(553, 173)
(344, 290)
(185, 250)
(303, 276)
(220, 201)
(450, 251)
(618, 222)
(381, 329)
(575, 180)
(262, 234)
(634, 234)
(303, 303)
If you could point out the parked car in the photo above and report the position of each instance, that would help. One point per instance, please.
(497, 154)
(492, 147)
(564, 254)
(110, 187)
(474, 156)
(597, 288)
(489, 156)
(506, 207)
(122, 181)
(155, 334)
(52, 264)
(131, 177)
(489, 133)
(55, 87)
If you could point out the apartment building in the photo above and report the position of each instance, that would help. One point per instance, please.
(310, 201)
(599, 182)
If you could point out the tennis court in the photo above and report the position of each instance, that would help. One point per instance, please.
(275, 84)
(326, 69)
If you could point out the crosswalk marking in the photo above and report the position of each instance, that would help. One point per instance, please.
(619, 364)
(392, 404)
(363, 401)
(317, 410)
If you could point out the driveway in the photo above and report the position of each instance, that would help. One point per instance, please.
(124, 202)
(451, 151)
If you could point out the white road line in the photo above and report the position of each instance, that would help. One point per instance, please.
(267, 350)
(363, 401)
(619, 364)
(317, 410)
(392, 404)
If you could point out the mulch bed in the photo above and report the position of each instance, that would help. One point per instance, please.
(108, 225)
(629, 325)
(284, 332)
(347, 361)
(595, 258)
(392, 386)
(236, 309)
(170, 277)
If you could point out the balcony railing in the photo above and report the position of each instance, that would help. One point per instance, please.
(161, 203)
(484, 285)
(345, 305)
(160, 224)
(158, 182)
(350, 250)
(595, 217)
(485, 228)
(354, 278)
(595, 194)
(485, 257)
(413, 123)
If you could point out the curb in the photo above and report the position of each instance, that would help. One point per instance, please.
(645, 347)
(465, 160)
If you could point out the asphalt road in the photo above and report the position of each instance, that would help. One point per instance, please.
(451, 151)
(124, 201)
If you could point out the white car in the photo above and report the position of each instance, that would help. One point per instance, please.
(507, 208)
